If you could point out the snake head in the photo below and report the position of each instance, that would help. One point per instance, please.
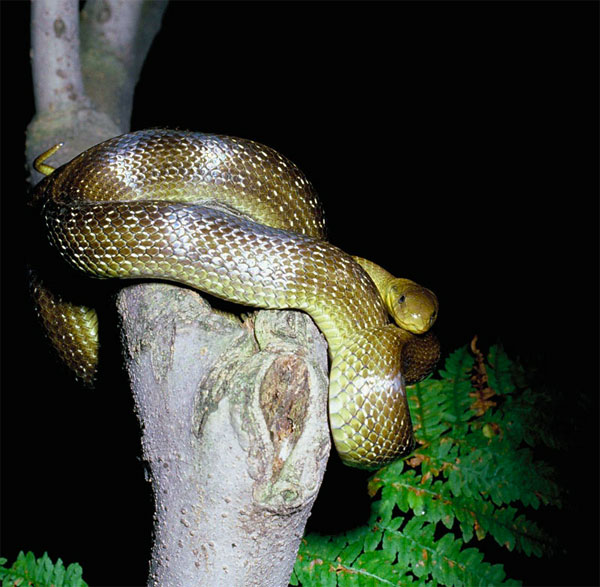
(413, 307)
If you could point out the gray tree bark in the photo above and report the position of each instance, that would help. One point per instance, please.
(234, 415)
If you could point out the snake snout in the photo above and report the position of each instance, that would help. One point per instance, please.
(413, 307)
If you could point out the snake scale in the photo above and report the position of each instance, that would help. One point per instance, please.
(236, 219)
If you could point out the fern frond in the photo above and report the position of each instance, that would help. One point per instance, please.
(41, 572)
(471, 478)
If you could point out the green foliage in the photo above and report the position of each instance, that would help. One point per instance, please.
(471, 480)
(41, 572)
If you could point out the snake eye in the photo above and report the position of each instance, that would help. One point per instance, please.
(402, 299)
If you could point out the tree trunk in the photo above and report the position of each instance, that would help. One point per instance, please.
(233, 415)
(234, 434)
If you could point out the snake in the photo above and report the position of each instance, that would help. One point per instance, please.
(237, 220)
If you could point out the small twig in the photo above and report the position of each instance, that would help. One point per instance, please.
(479, 378)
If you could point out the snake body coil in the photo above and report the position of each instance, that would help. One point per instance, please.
(237, 220)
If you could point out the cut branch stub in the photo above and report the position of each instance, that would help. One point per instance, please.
(234, 430)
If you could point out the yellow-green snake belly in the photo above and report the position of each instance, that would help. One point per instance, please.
(237, 220)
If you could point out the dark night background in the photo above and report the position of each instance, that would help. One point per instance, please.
(454, 143)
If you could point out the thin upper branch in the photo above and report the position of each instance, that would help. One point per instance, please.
(58, 82)
(114, 24)
(115, 39)
(84, 91)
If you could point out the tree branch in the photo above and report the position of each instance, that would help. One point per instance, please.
(116, 37)
(58, 84)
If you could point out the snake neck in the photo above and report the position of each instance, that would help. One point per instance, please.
(380, 277)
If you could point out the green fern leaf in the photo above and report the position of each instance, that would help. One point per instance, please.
(27, 570)
(471, 477)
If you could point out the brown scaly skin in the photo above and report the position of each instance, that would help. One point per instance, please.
(237, 220)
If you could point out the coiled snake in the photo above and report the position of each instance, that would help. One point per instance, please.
(238, 220)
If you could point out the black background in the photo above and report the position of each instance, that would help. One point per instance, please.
(453, 143)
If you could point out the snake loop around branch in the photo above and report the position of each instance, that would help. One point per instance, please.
(236, 219)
